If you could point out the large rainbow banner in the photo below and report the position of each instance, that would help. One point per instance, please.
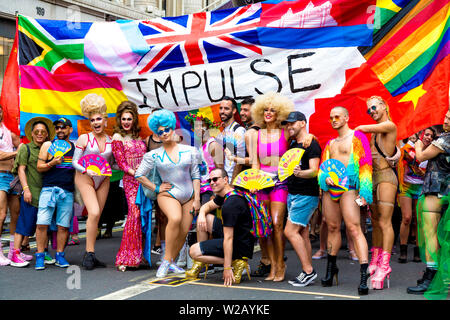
(307, 50)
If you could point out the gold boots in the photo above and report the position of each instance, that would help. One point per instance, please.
(197, 266)
(238, 266)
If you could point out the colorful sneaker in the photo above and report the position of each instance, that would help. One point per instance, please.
(40, 261)
(4, 261)
(48, 259)
(175, 269)
(26, 257)
(17, 261)
(163, 269)
(61, 260)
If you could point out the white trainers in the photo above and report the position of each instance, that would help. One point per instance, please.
(175, 269)
(163, 269)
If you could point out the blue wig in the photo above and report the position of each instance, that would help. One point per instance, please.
(161, 118)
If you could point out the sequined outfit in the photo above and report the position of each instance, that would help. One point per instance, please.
(179, 174)
(128, 155)
(92, 147)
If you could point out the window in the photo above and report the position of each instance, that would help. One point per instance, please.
(5, 49)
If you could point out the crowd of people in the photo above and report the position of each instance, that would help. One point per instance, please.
(191, 189)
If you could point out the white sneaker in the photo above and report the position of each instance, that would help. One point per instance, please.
(176, 269)
(163, 269)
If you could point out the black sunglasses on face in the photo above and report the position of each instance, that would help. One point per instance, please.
(370, 109)
(62, 127)
(127, 119)
(215, 179)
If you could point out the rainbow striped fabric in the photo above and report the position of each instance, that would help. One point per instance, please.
(359, 168)
(386, 9)
(410, 51)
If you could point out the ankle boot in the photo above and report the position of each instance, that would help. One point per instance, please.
(239, 265)
(403, 253)
(373, 265)
(332, 271)
(363, 289)
(197, 266)
(383, 272)
(417, 255)
(424, 284)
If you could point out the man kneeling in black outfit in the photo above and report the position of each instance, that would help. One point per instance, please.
(232, 243)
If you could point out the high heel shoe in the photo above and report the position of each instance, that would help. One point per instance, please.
(271, 275)
(374, 262)
(403, 253)
(197, 266)
(363, 289)
(383, 272)
(239, 265)
(122, 268)
(332, 272)
(280, 273)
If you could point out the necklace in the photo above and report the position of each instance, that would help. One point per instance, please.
(344, 137)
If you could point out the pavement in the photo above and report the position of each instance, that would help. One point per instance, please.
(75, 283)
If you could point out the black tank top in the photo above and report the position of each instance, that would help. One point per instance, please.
(61, 175)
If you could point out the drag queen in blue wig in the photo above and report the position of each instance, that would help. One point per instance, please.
(178, 195)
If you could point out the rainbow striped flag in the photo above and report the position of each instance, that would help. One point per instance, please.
(411, 50)
(386, 10)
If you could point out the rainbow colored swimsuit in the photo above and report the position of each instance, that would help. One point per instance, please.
(359, 168)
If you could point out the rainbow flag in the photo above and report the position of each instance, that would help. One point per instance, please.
(409, 52)
(386, 10)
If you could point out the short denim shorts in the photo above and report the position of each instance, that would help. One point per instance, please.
(51, 198)
(301, 208)
(5, 180)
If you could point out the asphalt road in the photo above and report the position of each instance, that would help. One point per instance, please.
(75, 283)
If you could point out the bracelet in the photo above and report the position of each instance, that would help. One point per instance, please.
(157, 189)
(227, 268)
(48, 164)
(26, 187)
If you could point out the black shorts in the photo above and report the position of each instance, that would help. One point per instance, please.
(205, 197)
(214, 247)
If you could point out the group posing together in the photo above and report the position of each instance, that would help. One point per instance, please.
(187, 182)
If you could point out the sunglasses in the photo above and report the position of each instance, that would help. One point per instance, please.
(161, 132)
(370, 109)
(36, 132)
(215, 179)
(62, 127)
(337, 118)
(127, 119)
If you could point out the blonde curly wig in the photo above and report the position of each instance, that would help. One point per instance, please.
(280, 103)
(93, 104)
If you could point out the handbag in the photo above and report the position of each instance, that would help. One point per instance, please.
(154, 178)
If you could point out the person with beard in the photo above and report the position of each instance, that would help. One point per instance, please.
(303, 197)
(351, 148)
(57, 194)
(385, 155)
(93, 188)
(232, 137)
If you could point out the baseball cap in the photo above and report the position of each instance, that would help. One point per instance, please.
(294, 116)
(63, 120)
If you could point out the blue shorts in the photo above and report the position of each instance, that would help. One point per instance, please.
(51, 198)
(26, 224)
(5, 180)
(301, 208)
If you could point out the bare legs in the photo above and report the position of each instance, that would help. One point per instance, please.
(298, 236)
(178, 223)
(382, 210)
(275, 244)
(94, 200)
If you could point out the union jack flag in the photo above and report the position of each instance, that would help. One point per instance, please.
(200, 38)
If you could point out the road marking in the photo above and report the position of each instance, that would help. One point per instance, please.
(130, 291)
(275, 290)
